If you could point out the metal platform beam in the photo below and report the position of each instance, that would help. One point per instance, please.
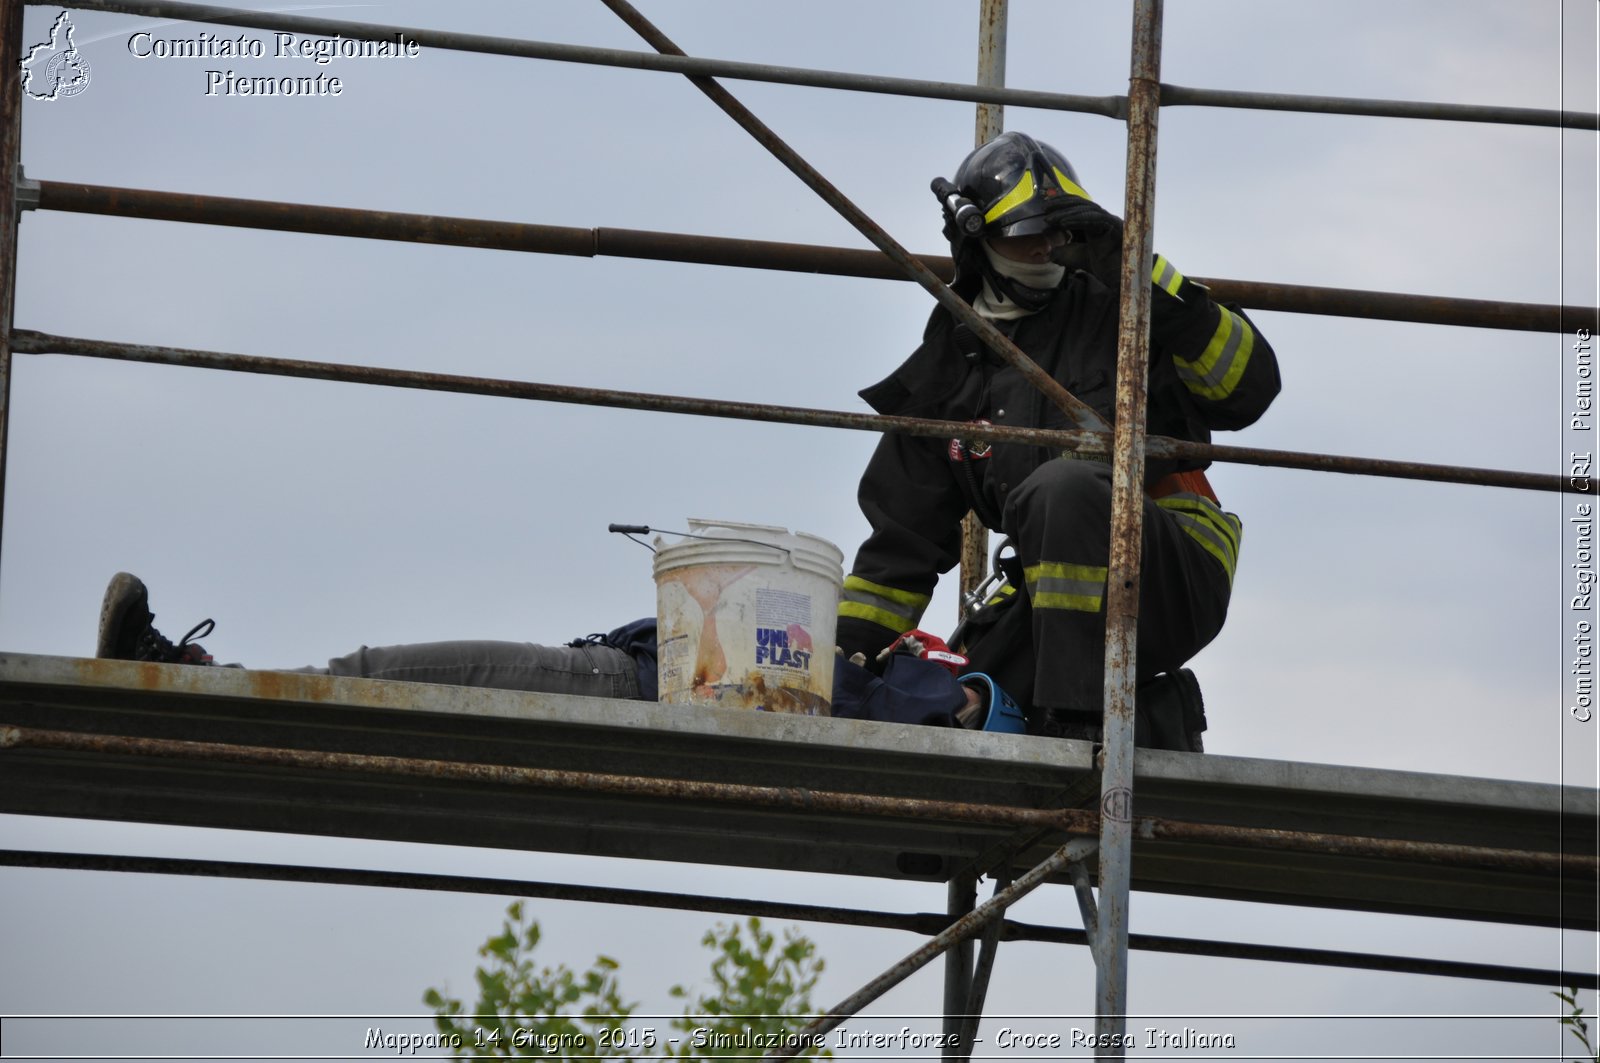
(677, 746)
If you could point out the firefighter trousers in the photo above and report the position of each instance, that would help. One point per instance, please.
(1045, 643)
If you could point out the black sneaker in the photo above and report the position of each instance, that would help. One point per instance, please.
(127, 633)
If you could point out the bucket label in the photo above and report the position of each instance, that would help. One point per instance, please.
(783, 638)
(784, 648)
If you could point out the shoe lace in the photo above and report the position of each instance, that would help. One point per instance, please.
(153, 645)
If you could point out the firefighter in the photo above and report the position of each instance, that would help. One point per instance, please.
(1045, 270)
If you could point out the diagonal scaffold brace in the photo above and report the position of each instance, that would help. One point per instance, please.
(1082, 415)
(968, 926)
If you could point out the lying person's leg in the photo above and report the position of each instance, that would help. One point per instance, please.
(128, 633)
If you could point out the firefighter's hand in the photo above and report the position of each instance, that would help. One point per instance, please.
(1097, 252)
(1085, 220)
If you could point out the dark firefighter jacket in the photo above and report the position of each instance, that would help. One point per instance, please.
(1209, 369)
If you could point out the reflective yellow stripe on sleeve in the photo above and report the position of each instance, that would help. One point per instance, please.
(1216, 372)
(887, 607)
(1166, 275)
(1056, 585)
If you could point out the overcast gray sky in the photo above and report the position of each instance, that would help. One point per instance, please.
(1378, 623)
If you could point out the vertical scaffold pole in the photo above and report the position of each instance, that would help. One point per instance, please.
(963, 894)
(10, 170)
(991, 119)
(1127, 518)
(962, 897)
(991, 122)
(991, 67)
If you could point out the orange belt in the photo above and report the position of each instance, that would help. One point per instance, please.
(1193, 482)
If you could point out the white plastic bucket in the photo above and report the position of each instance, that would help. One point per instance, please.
(746, 618)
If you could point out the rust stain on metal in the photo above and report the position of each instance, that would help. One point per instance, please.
(308, 218)
(774, 797)
(10, 171)
(279, 686)
(1076, 822)
(30, 342)
(144, 675)
(1578, 866)
(752, 254)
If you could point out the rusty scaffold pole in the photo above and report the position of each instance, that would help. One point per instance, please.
(10, 210)
(26, 341)
(1107, 920)
(1083, 824)
(960, 1000)
(991, 122)
(1106, 106)
(1127, 519)
(608, 242)
(1078, 412)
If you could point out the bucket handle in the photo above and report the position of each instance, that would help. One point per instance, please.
(630, 530)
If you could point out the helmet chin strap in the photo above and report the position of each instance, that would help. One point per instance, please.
(1013, 289)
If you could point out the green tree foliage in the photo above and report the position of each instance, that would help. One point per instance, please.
(759, 991)
(1578, 1024)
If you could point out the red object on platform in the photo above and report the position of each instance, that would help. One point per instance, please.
(928, 647)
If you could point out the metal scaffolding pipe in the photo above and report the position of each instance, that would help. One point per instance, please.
(29, 342)
(1116, 826)
(1177, 95)
(1162, 447)
(10, 173)
(1127, 524)
(925, 923)
(993, 16)
(1397, 306)
(961, 894)
(790, 798)
(752, 254)
(1113, 106)
(961, 930)
(1088, 911)
(1081, 415)
(1107, 106)
(1068, 820)
(988, 122)
(988, 950)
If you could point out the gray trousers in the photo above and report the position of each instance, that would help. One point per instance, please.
(594, 671)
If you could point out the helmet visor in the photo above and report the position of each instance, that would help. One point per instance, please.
(1052, 200)
(1063, 213)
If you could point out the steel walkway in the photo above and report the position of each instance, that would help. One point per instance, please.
(499, 769)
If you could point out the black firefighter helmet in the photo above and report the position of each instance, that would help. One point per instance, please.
(1012, 186)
